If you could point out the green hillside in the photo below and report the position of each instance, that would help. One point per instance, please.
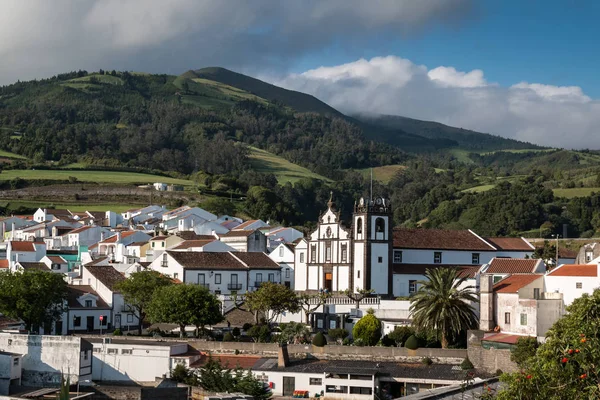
(90, 176)
(284, 171)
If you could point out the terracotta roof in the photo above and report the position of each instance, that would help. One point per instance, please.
(230, 361)
(439, 239)
(6, 322)
(566, 253)
(113, 239)
(40, 266)
(57, 259)
(190, 235)
(97, 261)
(105, 274)
(206, 260)
(193, 243)
(513, 283)
(159, 238)
(4, 264)
(512, 266)
(510, 244)
(237, 234)
(137, 244)
(257, 260)
(82, 229)
(502, 338)
(76, 291)
(575, 270)
(22, 246)
(244, 225)
(419, 269)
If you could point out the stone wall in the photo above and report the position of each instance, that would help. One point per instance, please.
(488, 360)
(139, 393)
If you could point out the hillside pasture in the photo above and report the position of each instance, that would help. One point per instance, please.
(284, 171)
(382, 174)
(575, 192)
(116, 177)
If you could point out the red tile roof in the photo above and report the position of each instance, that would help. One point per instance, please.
(512, 266)
(113, 239)
(244, 225)
(22, 246)
(57, 259)
(502, 338)
(4, 264)
(159, 238)
(76, 291)
(39, 266)
(206, 260)
(575, 270)
(513, 283)
(510, 244)
(193, 243)
(79, 230)
(257, 260)
(419, 269)
(236, 233)
(439, 239)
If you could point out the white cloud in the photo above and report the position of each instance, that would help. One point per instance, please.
(40, 38)
(538, 113)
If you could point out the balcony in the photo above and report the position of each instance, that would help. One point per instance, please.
(234, 286)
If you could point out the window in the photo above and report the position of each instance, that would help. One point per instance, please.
(164, 260)
(130, 318)
(475, 258)
(201, 279)
(437, 257)
(301, 257)
(126, 351)
(360, 390)
(578, 285)
(358, 274)
(287, 272)
(104, 320)
(523, 319)
(536, 293)
(259, 277)
(280, 251)
(412, 286)
(113, 351)
(175, 275)
(379, 260)
(55, 266)
(218, 279)
(328, 251)
(315, 381)
(271, 277)
(497, 278)
(336, 389)
(507, 318)
(76, 321)
(88, 303)
(16, 362)
(152, 244)
(397, 256)
(359, 225)
(344, 252)
(313, 253)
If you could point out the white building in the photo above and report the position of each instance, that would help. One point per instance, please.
(283, 255)
(502, 267)
(10, 371)
(245, 240)
(210, 245)
(280, 235)
(24, 251)
(252, 225)
(573, 280)
(115, 247)
(84, 236)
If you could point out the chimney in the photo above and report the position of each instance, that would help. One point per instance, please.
(486, 303)
(102, 236)
(283, 358)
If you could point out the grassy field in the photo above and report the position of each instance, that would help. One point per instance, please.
(285, 171)
(75, 207)
(483, 153)
(382, 174)
(461, 155)
(8, 154)
(479, 189)
(229, 91)
(113, 80)
(91, 176)
(206, 102)
(574, 192)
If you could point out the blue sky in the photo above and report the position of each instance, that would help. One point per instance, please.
(555, 42)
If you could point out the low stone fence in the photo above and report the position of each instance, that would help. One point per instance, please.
(488, 360)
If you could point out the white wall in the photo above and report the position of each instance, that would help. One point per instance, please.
(412, 256)
(379, 270)
(567, 285)
(143, 365)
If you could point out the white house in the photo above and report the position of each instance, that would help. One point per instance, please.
(573, 280)
(25, 251)
(210, 245)
(284, 256)
(503, 267)
(56, 264)
(280, 235)
(252, 225)
(209, 228)
(245, 240)
(85, 236)
(86, 311)
(115, 247)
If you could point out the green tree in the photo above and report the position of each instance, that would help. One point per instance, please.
(138, 289)
(271, 300)
(400, 334)
(524, 350)
(35, 297)
(358, 295)
(338, 334)
(565, 366)
(260, 333)
(215, 377)
(185, 305)
(367, 329)
(311, 302)
(294, 333)
(442, 304)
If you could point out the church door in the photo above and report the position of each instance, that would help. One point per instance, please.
(329, 282)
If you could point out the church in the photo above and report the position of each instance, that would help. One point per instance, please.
(336, 258)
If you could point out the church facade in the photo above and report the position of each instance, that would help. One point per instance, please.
(337, 258)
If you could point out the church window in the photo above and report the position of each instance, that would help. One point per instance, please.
(301, 257)
(358, 274)
(313, 253)
(379, 225)
(344, 253)
(359, 226)
(328, 251)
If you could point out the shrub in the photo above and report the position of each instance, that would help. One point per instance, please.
(426, 361)
(236, 331)
(117, 332)
(346, 342)
(412, 343)
(387, 341)
(247, 326)
(368, 329)
(524, 349)
(499, 372)
(319, 340)
(338, 334)
(260, 333)
(400, 334)
(228, 337)
(466, 364)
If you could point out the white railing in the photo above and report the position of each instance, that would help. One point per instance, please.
(345, 300)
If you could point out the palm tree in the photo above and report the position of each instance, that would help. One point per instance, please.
(442, 303)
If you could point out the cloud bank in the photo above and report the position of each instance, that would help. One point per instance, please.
(550, 115)
(40, 38)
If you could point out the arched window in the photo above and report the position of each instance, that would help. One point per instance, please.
(379, 225)
(359, 225)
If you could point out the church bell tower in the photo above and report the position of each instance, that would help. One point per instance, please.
(372, 245)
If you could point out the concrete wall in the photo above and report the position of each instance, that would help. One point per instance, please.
(144, 364)
(139, 393)
(488, 360)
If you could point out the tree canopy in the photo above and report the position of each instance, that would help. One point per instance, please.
(443, 304)
(367, 330)
(272, 299)
(36, 297)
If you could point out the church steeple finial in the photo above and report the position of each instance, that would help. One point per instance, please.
(330, 203)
